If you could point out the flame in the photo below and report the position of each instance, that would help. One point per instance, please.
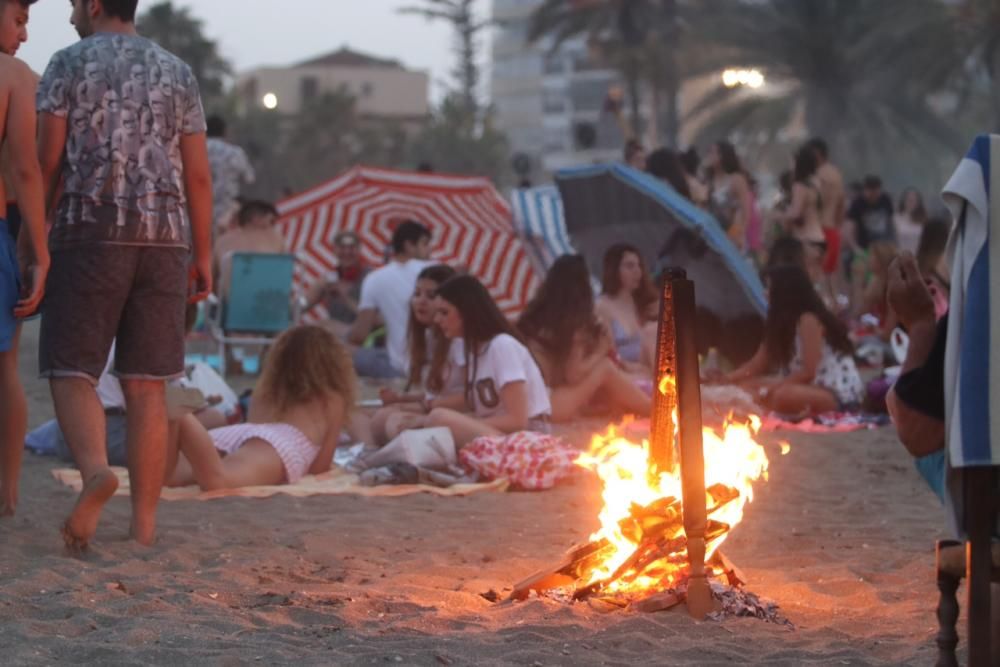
(732, 458)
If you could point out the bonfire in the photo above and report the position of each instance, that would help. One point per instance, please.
(669, 501)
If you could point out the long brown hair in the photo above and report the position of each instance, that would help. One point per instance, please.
(793, 295)
(562, 307)
(611, 282)
(307, 363)
(482, 320)
(417, 339)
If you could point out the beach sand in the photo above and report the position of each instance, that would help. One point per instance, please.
(841, 538)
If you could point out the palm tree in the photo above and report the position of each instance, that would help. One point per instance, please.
(845, 67)
(462, 17)
(178, 31)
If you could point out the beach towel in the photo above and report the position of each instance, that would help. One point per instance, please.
(830, 422)
(531, 461)
(972, 378)
(335, 482)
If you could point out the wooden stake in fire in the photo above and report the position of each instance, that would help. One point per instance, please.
(680, 393)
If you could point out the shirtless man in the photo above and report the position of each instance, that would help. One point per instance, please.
(833, 211)
(17, 129)
(254, 232)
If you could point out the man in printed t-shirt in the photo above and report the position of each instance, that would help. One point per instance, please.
(122, 128)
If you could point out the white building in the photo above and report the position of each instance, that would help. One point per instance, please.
(383, 89)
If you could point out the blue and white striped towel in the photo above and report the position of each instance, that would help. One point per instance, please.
(972, 378)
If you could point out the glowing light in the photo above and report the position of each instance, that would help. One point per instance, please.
(732, 458)
(785, 448)
(750, 78)
(270, 101)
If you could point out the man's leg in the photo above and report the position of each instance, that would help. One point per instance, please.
(13, 426)
(81, 419)
(149, 352)
(146, 411)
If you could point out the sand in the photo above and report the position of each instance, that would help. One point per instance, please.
(841, 538)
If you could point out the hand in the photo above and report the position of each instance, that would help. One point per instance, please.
(36, 273)
(388, 396)
(908, 294)
(200, 279)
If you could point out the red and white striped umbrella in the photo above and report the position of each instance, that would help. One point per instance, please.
(471, 224)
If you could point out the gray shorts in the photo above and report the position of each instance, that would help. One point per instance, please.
(96, 294)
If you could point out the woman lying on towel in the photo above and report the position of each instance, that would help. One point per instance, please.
(573, 348)
(805, 364)
(503, 388)
(298, 410)
(430, 364)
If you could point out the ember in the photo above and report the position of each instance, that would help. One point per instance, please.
(653, 503)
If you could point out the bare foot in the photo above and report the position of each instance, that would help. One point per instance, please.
(82, 523)
(144, 531)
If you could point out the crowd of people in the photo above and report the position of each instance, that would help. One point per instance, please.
(132, 199)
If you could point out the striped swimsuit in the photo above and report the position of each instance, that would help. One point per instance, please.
(295, 450)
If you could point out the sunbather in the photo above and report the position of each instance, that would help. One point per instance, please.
(573, 348)
(504, 391)
(805, 364)
(298, 410)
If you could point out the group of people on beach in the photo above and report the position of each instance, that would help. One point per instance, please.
(127, 189)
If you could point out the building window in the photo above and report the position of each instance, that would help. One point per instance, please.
(367, 89)
(308, 88)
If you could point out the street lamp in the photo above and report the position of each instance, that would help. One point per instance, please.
(270, 101)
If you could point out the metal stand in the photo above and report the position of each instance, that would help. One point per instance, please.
(679, 374)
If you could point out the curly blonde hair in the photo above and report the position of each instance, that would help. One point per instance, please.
(307, 363)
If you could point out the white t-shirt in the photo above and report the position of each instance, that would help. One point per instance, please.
(388, 290)
(502, 361)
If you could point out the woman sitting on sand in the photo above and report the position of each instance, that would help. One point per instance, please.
(627, 305)
(430, 362)
(504, 391)
(298, 409)
(572, 346)
(808, 349)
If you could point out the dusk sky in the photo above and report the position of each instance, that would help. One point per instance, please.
(280, 32)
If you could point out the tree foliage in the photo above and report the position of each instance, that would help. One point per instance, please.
(460, 14)
(181, 33)
(452, 142)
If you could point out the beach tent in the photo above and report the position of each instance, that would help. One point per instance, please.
(470, 221)
(613, 203)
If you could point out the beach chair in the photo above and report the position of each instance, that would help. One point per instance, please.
(259, 306)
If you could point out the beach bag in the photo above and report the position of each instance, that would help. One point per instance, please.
(531, 461)
(431, 448)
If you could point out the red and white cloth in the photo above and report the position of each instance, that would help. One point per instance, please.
(531, 461)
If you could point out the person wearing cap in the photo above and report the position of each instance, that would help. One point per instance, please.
(340, 290)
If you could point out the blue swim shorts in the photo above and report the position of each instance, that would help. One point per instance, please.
(10, 287)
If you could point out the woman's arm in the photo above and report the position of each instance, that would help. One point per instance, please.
(810, 334)
(514, 417)
(336, 415)
(756, 367)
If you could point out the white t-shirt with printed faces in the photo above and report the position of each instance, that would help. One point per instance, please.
(504, 360)
(388, 290)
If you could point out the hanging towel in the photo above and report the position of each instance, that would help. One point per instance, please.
(972, 378)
